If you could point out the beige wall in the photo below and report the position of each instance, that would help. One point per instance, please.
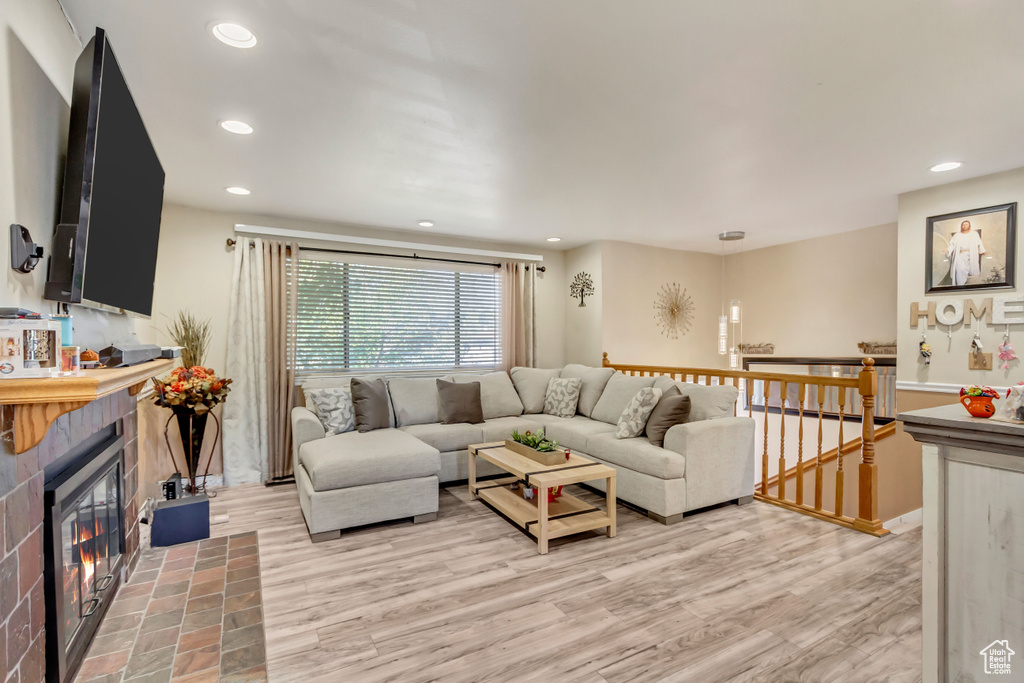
(818, 297)
(583, 324)
(949, 357)
(632, 276)
(37, 62)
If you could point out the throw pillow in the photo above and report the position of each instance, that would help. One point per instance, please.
(562, 396)
(532, 384)
(634, 417)
(334, 408)
(371, 404)
(459, 402)
(673, 409)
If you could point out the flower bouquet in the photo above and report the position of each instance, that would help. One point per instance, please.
(191, 393)
(196, 389)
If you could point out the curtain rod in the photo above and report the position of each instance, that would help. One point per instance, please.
(414, 257)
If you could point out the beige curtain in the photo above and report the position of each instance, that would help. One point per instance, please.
(281, 272)
(519, 335)
(260, 361)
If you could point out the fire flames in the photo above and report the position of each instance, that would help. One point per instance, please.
(87, 550)
(84, 548)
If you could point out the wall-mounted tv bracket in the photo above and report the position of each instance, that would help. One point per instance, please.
(25, 253)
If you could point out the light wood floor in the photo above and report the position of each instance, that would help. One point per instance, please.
(733, 594)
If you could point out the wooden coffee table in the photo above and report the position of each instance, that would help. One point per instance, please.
(565, 516)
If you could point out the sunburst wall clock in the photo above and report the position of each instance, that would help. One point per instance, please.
(673, 310)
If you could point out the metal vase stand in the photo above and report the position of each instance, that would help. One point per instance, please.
(192, 429)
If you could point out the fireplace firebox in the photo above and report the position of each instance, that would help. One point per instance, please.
(83, 548)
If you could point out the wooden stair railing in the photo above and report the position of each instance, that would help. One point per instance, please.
(840, 393)
(851, 446)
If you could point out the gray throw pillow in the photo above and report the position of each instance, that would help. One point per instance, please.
(532, 385)
(634, 417)
(673, 409)
(371, 404)
(562, 396)
(333, 405)
(458, 403)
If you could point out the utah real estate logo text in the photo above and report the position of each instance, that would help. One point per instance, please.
(997, 657)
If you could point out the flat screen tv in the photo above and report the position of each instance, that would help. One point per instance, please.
(104, 250)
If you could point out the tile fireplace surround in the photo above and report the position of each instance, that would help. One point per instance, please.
(22, 609)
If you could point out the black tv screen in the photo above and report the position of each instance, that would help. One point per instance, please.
(105, 248)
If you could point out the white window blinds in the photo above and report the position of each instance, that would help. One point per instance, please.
(369, 316)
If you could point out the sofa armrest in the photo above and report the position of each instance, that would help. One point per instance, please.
(719, 459)
(305, 427)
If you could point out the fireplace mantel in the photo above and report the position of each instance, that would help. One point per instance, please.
(38, 402)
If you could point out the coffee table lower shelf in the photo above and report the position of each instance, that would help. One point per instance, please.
(567, 515)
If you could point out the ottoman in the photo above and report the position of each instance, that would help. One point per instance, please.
(357, 478)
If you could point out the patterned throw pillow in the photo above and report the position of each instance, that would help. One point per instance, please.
(334, 408)
(562, 396)
(634, 417)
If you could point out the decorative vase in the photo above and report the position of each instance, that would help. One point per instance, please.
(192, 428)
(978, 406)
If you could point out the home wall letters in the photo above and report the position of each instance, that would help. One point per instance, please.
(995, 310)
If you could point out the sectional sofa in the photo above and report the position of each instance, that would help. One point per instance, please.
(351, 479)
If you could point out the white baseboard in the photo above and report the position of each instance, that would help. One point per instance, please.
(905, 522)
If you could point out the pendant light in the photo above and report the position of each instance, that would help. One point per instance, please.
(734, 317)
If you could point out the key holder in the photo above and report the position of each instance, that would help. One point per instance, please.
(25, 253)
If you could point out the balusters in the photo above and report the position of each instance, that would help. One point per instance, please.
(764, 457)
(840, 475)
(818, 472)
(748, 390)
(782, 443)
(800, 448)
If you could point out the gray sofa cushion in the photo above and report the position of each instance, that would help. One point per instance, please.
(634, 418)
(706, 403)
(617, 394)
(339, 383)
(372, 404)
(563, 396)
(594, 381)
(638, 455)
(500, 428)
(333, 406)
(575, 432)
(446, 438)
(497, 394)
(414, 400)
(532, 384)
(363, 458)
(671, 410)
(458, 403)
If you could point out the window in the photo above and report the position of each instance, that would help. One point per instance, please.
(362, 316)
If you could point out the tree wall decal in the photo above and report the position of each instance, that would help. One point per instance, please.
(582, 286)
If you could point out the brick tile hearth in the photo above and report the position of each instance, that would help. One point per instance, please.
(192, 612)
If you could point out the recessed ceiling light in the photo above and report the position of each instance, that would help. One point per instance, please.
(554, 239)
(234, 35)
(236, 127)
(237, 190)
(426, 224)
(946, 166)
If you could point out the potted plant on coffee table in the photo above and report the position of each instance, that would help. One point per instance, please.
(537, 447)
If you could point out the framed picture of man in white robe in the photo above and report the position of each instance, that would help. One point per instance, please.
(971, 249)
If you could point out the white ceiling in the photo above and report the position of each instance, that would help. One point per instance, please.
(662, 122)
